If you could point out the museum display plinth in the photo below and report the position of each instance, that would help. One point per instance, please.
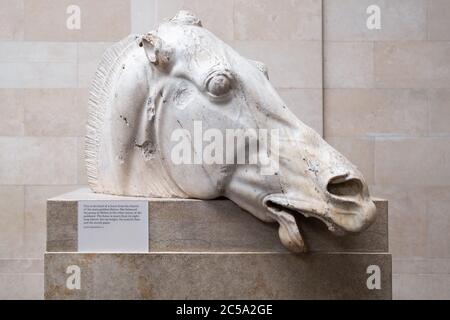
(214, 250)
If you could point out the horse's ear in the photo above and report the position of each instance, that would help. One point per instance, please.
(158, 53)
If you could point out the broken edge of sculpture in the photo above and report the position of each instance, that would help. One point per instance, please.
(154, 93)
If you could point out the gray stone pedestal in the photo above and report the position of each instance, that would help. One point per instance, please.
(214, 250)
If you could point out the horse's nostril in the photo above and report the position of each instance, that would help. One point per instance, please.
(341, 187)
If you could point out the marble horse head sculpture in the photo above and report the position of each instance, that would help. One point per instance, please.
(164, 106)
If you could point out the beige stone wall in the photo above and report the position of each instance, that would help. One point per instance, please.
(46, 69)
(387, 107)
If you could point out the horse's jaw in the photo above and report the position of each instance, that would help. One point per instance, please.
(287, 212)
(313, 181)
(340, 222)
(288, 231)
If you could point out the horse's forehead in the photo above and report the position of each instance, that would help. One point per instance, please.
(197, 44)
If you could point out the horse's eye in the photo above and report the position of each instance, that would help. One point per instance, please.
(219, 85)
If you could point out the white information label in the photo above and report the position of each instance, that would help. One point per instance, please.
(113, 226)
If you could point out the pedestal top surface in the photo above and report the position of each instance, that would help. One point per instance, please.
(88, 194)
(190, 225)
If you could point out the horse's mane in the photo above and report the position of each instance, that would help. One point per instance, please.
(102, 91)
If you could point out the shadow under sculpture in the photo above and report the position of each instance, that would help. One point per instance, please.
(177, 113)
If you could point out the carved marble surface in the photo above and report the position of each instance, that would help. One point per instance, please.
(182, 77)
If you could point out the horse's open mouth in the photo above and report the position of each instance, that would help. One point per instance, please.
(276, 205)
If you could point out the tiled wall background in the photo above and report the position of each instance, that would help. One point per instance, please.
(386, 106)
